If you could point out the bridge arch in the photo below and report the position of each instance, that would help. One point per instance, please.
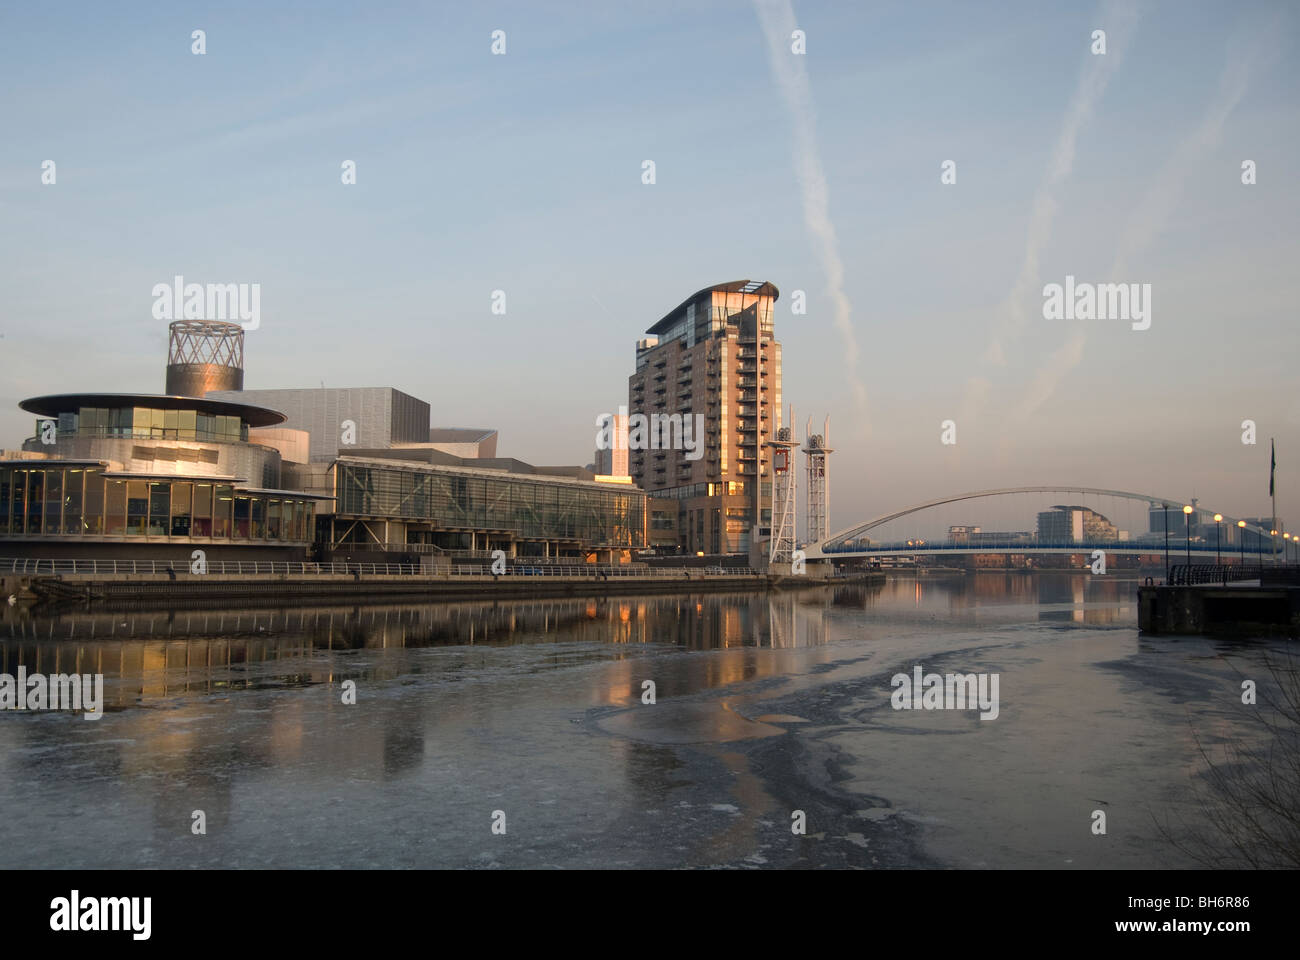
(837, 543)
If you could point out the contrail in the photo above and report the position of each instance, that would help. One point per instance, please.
(1118, 22)
(776, 17)
(1161, 200)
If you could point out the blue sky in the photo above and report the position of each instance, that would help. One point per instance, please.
(523, 173)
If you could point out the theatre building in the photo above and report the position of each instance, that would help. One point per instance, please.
(129, 475)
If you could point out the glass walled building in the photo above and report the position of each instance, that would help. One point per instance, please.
(166, 473)
(390, 504)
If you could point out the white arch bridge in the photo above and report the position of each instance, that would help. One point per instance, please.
(1120, 522)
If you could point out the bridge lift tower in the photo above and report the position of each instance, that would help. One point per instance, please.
(784, 494)
(819, 494)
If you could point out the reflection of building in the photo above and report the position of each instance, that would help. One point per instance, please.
(1074, 524)
(714, 355)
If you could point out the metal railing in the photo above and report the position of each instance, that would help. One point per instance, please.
(1187, 575)
(41, 567)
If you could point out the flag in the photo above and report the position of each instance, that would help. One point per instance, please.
(1272, 465)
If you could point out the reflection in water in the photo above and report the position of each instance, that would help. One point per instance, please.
(534, 705)
(163, 654)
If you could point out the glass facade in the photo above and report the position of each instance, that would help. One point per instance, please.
(45, 499)
(149, 423)
(526, 507)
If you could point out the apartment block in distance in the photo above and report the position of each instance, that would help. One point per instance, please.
(715, 355)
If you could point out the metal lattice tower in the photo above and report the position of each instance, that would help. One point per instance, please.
(784, 493)
(204, 355)
(819, 479)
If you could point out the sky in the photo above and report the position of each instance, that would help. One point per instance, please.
(821, 172)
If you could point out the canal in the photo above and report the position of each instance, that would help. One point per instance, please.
(521, 733)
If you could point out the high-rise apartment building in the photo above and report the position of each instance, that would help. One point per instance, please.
(705, 397)
(612, 460)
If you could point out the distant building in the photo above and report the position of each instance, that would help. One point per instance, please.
(1074, 524)
(981, 537)
(613, 462)
(961, 534)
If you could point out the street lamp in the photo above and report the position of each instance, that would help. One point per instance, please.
(1166, 543)
(1241, 539)
(1187, 522)
(1218, 519)
(1272, 546)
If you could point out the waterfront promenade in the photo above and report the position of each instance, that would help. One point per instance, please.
(146, 581)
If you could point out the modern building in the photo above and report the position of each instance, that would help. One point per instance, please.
(613, 461)
(713, 363)
(390, 503)
(467, 443)
(340, 419)
(356, 471)
(109, 474)
(1075, 524)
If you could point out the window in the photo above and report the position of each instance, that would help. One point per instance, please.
(93, 507)
(201, 523)
(241, 529)
(182, 494)
(115, 508)
(53, 500)
(223, 496)
(159, 509)
(35, 499)
(72, 483)
(137, 507)
(259, 518)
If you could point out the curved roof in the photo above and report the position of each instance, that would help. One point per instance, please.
(759, 288)
(54, 404)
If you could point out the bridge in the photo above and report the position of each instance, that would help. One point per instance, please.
(1057, 520)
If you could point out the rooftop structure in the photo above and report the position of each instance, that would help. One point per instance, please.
(204, 355)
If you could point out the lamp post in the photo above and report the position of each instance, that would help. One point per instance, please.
(1166, 543)
(1241, 540)
(1218, 519)
(1187, 522)
(1272, 546)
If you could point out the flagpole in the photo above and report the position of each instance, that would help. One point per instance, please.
(1272, 492)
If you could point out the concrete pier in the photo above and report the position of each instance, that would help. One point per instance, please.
(150, 589)
(1214, 608)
